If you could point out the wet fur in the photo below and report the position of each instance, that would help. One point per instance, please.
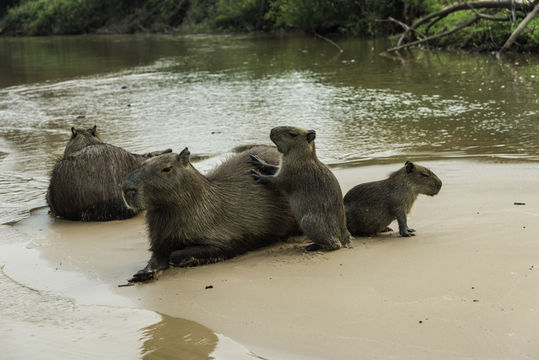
(84, 183)
(194, 219)
(372, 206)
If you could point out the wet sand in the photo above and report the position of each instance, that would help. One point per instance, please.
(467, 286)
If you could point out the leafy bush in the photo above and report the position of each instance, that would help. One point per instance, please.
(354, 17)
(484, 35)
(43, 17)
(315, 15)
(246, 15)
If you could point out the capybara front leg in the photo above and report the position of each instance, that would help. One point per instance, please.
(263, 166)
(152, 269)
(319, 233)
(196, 255)
(403, 227)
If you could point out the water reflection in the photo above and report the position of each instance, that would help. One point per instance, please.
(59, 328)
(71, 309)
(173, 338)
(167, 340)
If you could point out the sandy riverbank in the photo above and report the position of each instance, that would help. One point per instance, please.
(467, 286)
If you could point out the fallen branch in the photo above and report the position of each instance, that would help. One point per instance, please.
(491, 17)
(520, 28)
(483, 4)
(329, 41)
(406, 27)
(417, 42)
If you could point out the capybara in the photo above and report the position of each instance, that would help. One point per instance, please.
(194, 219)
(372, 206)
(85, 182)
(313, 191)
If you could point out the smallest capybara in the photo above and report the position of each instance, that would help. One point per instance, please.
(372, 206)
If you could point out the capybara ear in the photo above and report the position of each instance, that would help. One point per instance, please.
(93, 130)
(409, 166)
(74, 132)
(311, 135)
(183, 158)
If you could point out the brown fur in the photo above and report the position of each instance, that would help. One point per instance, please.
(372, 206)
(84, 183)
(195, 219)
(313, 191)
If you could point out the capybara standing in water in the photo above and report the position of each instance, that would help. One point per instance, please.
(85, 182)
(372, 206)
(194, 219)
(313, 191)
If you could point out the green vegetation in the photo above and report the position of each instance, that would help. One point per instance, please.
(343, 17)
(355, 17)
(484, 35)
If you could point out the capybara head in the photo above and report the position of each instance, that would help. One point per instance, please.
(422, 179)
(288, 137)
(80, 139)
(162, 180)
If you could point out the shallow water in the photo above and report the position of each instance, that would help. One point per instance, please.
(213, 93)
(58, 292)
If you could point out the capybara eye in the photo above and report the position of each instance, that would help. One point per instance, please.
(423, 174)
(292, 135)
(167, 169)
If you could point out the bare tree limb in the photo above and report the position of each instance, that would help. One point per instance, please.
(501, 4)
(329, 41)
(406, 27)
(439, 35)
(490, 17)
(481, 4)
(520, 27)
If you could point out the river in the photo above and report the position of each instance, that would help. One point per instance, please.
(213, 93)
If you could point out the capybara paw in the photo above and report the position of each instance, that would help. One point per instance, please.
(313, 247)
(256, 175)
(407, 234)
(143, 275)
(347, 240)
(411, 230)
(255, 160)
(387, 229)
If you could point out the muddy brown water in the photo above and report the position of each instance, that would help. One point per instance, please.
(213, 93)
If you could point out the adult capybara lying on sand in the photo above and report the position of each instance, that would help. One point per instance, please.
(372, 206)
(194, 219)
(85, 182)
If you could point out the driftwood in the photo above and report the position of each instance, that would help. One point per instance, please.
(521, 27)
(431, 19)
(329, 41)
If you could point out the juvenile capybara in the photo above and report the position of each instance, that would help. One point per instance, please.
(311, 188)
(85, 182)
(372, 206)
(194, 219)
